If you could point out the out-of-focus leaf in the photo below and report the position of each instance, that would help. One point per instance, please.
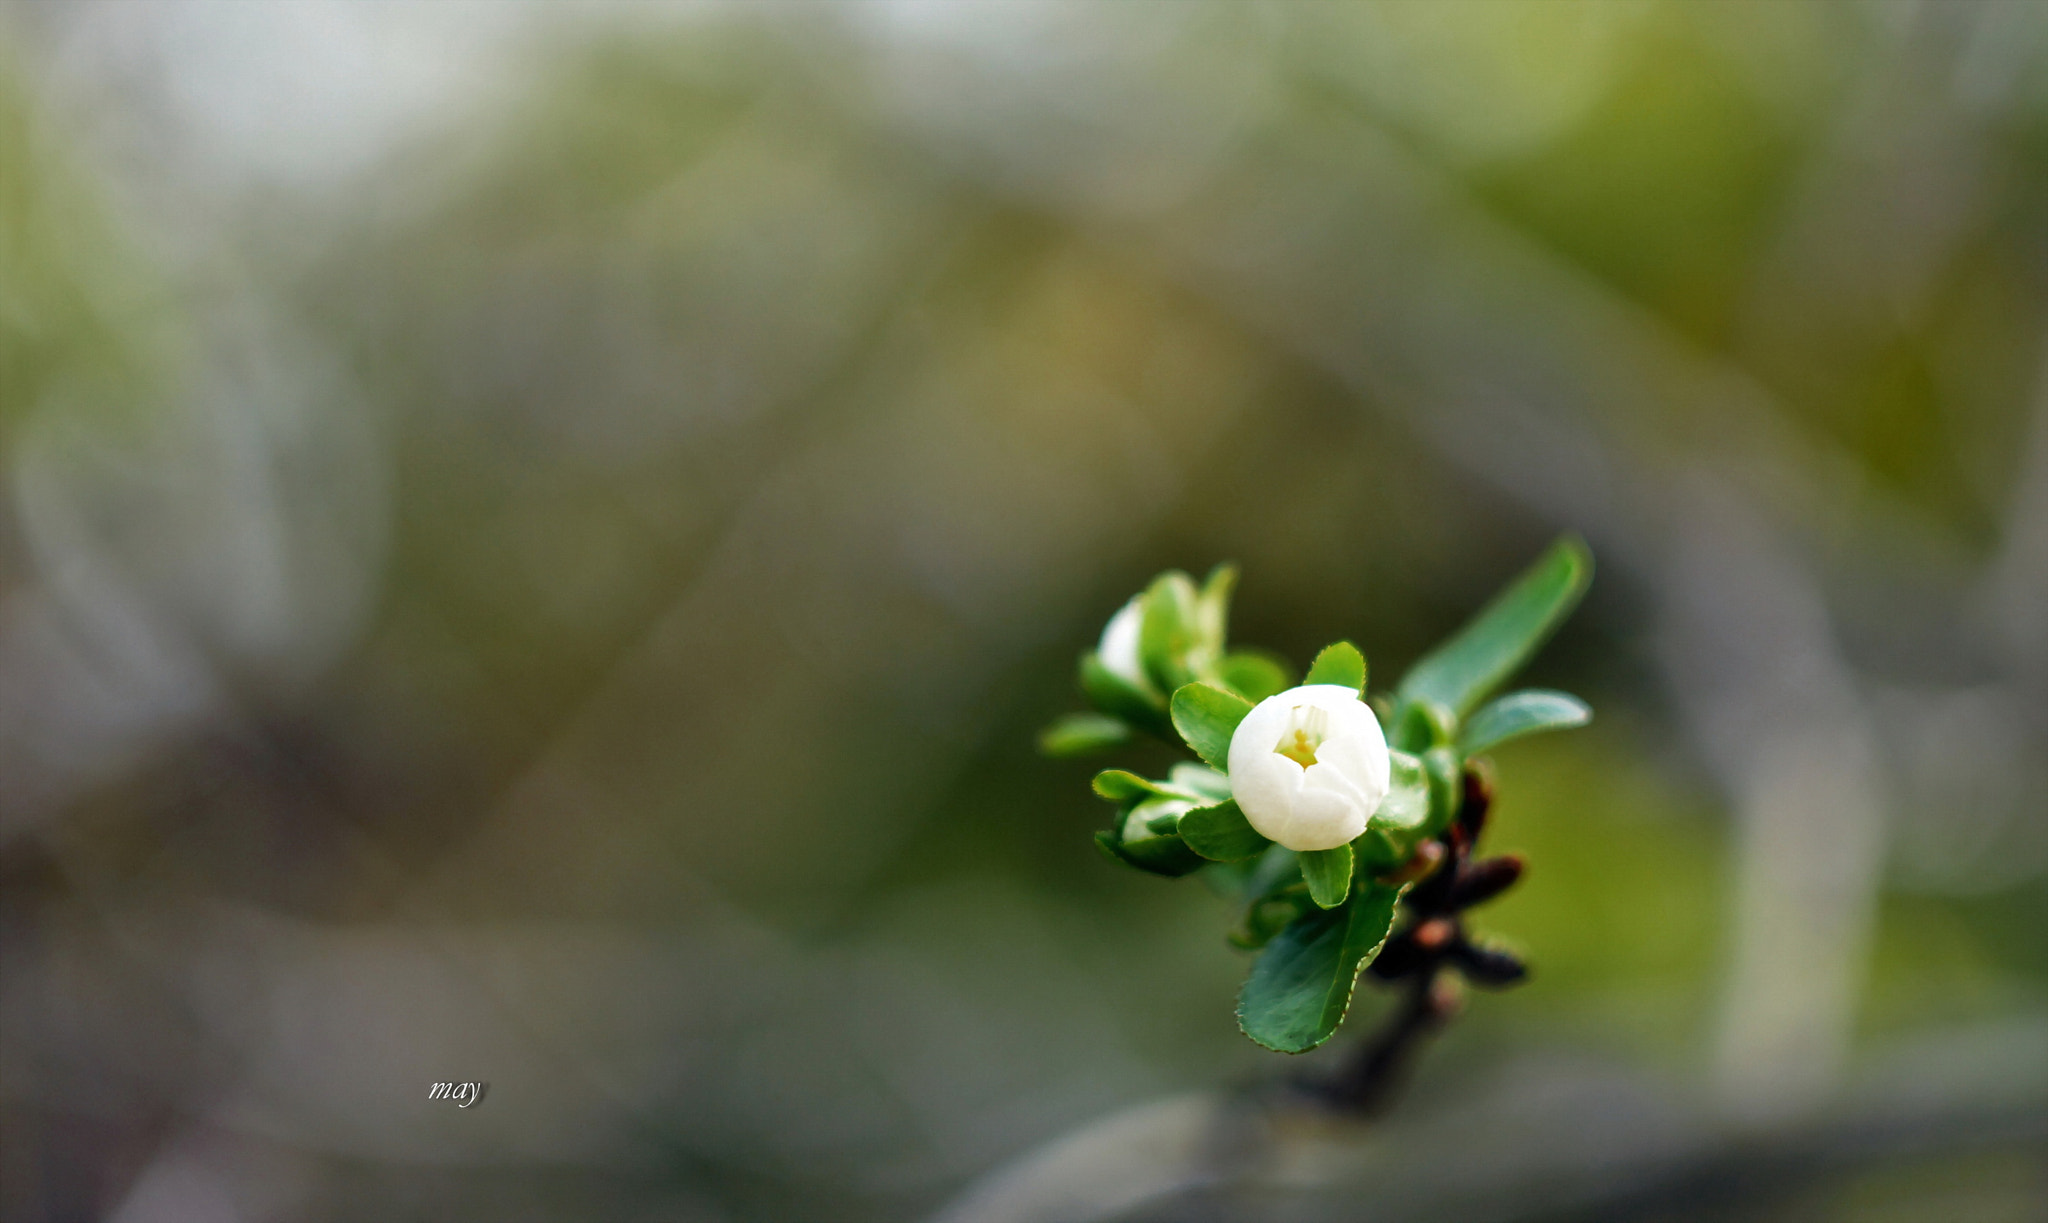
(1199, 780)
(1212, 608)
(1148, 838)
(1165, 856)
(1328, 872)
(1461, 672)
(1522, 713)
(1274, 894)
(1375, 853)
(1206, 716)
(1116, 696)
(1443, 770)
(1406, 806)
(1083, 734)
(1339, 663)
(1421, 725)
(1254, 674)
(1124, 787)
(1301, 985)
(1154, 817)
(1170, 632)
(1221, 833)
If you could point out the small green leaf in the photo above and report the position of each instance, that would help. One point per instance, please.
(1340, 663)
(1443, 769)
(1406, 805)
(1199, 780)
(1119, 697)
(1169, 633)
(1123, 787)
(1254, 674)
(1420, 725)
(1461, 672)
(1206, 716)
(1155, 817)
(1328, 872)
(1146, 840)
(1374, 853)
(1166, 855)
(1221, 833)
(1274, 894)
(1212, 607)
(1263, 919)
(1301, 985)
(1522, 713)
(1083, 734)
(1278, 869)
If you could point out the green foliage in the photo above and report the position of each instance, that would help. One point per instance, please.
(1221, 833)
(1254, 674)
(1273, 894)
(1083, 734)
(1206, 716)
(1154, 855)
(1119, 698)
(1301, 985)
(1460, 673)
(1170, 635)
(1528, 712)
(1316, 917)
(1407, 805)
(1328, 872)
(1340, 664)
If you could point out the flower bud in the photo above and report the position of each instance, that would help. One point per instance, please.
(1118, 648)
(1309, 766)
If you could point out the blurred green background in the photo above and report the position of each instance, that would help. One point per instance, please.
(537, 537)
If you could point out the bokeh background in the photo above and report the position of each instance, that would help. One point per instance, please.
(536, 538)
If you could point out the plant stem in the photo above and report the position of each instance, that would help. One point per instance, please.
(1378, 1069)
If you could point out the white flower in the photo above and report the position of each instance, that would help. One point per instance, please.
(1119, 647)
(1309, 767)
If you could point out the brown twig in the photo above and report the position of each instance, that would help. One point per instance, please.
(1431, 953)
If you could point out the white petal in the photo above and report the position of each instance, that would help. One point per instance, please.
(1265, 786)
(1119, 647)
(1323, 819)
(1360, 761)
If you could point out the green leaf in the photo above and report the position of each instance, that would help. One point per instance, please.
(1170, 631)
(1446, 788)
(1123, 787)
(1420, 725)
(1221, 833)
(1155, 817)
(1118, 697)
(1278, 869)
(1461, 672)
(1373, 852)
(1212, 607)
(1147, 841)
(1406, 806)
(1206, 716)
(1340, 663)
(1254, 674)
(1274, 894)
(1166, 855)
(1083, 734)
(1328, 872)
(1199, 780)
(1522, 713)
(1301, 985)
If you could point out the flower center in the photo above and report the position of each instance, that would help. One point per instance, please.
(1306, 730)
